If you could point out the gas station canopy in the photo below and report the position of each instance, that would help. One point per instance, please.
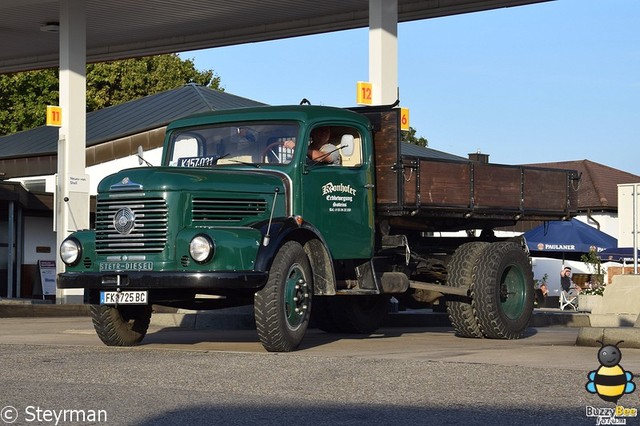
(66, 34)
(118, 29)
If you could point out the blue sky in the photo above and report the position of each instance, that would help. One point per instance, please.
(547, 82)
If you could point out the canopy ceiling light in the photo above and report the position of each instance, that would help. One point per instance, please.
(50, 27)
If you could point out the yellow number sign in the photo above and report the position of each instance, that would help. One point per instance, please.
(54, 116)
(404, 119)
(363, 95)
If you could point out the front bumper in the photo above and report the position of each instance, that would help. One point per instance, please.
(148, 280)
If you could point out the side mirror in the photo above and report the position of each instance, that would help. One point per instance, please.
(140, 157)
(347, 144)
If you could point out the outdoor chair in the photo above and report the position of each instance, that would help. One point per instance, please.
(568, 300)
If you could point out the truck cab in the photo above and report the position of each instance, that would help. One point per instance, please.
(203, 229)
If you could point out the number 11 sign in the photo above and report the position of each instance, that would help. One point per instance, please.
(54, 116)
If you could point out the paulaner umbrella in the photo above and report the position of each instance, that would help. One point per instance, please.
(622, 255)
(618, 254)
(567, 237)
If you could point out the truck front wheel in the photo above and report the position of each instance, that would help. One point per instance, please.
(121, 325)
(503, 291)
(282, 308)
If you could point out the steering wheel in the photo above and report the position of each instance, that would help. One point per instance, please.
(276, 153)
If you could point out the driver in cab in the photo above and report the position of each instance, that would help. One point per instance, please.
(320, 150)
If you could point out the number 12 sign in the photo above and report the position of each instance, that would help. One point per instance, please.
(363, 95)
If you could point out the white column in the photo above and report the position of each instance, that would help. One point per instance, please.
(11, 244)
(629, 218)
(383, 51)
(73, 213)
(635, 230)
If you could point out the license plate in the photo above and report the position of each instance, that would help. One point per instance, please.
(126, 266)
(124, 297)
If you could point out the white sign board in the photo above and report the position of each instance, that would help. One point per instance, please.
(47, 269)
(78, 183)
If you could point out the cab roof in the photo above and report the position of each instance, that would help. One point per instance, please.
(302, 113)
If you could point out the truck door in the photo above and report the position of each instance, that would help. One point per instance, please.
(338, 199)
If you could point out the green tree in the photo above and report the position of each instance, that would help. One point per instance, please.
(410, 137)
(25, 95)
(594, 265)
(113, 83)
(24, 98)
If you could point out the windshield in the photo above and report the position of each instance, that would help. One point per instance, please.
(245, 143)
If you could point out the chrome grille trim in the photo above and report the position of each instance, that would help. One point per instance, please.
(149, 234)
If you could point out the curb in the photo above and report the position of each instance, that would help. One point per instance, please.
(239, 318)
(242, 319)
(21, 310)
(567, 319)
(628, 336)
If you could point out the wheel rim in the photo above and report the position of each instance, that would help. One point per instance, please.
(513, 287)
(296, 297)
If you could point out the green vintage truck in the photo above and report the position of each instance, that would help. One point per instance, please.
(238, 213)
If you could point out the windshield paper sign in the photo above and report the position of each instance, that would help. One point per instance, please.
(198, 161)
(339, 195)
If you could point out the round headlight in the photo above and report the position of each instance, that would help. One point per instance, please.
(201, 248)
(70, 251)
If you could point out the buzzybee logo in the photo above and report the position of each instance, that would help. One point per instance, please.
(610, 382)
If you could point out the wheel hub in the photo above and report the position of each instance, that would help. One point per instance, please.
(512, 291)
(296, 297)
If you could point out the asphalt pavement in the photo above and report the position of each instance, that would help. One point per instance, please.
(609, 327)
(398, 375)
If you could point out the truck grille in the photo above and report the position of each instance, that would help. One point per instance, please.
(226, 209)
(149, 233)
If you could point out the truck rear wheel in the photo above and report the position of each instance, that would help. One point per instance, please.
(503, 291)
(121, 325)
(282, 308)
(353, 314)
(461, 273)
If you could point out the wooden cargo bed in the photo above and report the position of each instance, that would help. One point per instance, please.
(437, 195)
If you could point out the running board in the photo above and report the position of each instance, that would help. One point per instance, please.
(442, 289)
(356, 292)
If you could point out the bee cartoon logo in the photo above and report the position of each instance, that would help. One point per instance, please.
(610, 381)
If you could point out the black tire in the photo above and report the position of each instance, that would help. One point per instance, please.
(503, 293)
(462, 272)
(353, 314)
(282, 308)
(122, 325)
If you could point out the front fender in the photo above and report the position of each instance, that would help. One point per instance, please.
(274, 236)
(287, 229)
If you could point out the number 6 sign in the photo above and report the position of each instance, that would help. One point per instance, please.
(404, 119)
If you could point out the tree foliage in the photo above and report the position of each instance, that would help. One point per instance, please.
(25, 95)
(410, 137)
(116, 82)
(24, 98)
